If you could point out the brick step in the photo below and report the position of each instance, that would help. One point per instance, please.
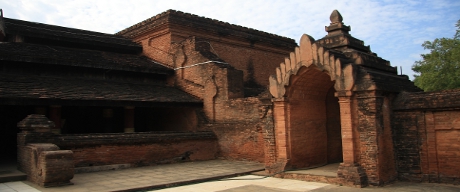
(311, 178)
(11, 174)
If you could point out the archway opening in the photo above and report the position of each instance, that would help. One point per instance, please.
(314, 120)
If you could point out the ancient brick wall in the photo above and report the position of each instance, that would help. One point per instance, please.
(144, 154)
(239, 125)
(426, 130)
(157, 46)
(308, 134)
(230, 87)
(136, 149)
(256, 60)
(234, 118)
(376, 151)
(387, 167)
(407, 145)
(240, 141)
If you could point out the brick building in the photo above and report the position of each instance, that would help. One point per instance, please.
(179, 87)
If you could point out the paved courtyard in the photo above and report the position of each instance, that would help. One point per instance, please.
(204, 176)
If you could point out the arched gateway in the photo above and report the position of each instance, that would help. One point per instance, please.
(332, 104)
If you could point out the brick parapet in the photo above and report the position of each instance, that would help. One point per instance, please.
(172, 17)
(438, 100)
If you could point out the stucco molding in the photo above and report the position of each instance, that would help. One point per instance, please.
(307, 54)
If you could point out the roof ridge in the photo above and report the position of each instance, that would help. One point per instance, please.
(93, 33)
(58, 26)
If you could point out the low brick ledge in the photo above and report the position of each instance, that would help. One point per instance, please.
(312, 178)
(94, 139)
(131, 138)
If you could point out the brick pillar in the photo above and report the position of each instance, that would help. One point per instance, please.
(350, 170)
(35, 128)
(370, 126)
(280, 117)
(346, 122)
(269, 135)
(55, 116)
(129, 119)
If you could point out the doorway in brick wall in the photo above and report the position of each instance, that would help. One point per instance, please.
(10, 116)
(314, 131)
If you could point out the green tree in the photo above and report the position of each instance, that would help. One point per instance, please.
(439, 69)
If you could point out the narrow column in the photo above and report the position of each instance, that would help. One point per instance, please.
(55, 116)
(281, 134)
(346, 122)
(350, 170)
(129, 119)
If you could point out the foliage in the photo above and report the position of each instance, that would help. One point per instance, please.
(439, 69)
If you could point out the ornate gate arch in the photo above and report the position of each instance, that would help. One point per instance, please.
(333, 78)
(302, 91)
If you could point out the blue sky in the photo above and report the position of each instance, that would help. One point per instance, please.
(394, 29)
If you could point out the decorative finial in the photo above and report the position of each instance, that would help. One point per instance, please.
(336, 17)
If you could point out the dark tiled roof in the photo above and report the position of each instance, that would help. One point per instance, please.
(70, 35)
(32, 53)
(207, 24)
(14, 87)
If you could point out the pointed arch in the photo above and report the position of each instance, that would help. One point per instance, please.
(308, 53)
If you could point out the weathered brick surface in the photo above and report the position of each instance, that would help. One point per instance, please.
(55, 168)
(376, 151)
(240, 141)
(45, 164)
(369, 127)
(407, 144)
(426, 131)
(387, 165)
(258, 53)
(427, 100)
(352, 175)
(447, 147)
(308, 136)
(137, 149)
(145, 154)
